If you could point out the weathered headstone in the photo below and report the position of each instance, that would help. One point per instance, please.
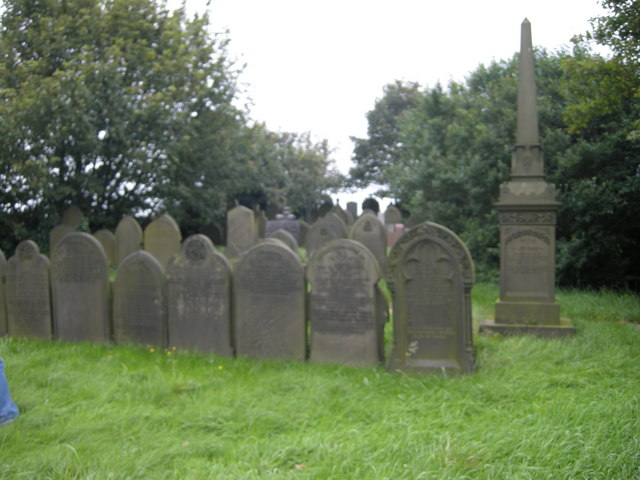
(3, 303)
(339, 211)
(527, 211)
(108, 241)
(370, 232)
(162, 239)
(199, 298)
(430, 273)
(353, 208)
(56, 234)
(139, 313)
(345, 323)
(350, 218)
(392, 215)
(128, 238)
(72, 216)
(284, 221)
(242, 231)
(328, 228)
(269, 300)
(287, 238)
(80, 289)
(29, 293)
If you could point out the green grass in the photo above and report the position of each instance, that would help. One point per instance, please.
(534, 409)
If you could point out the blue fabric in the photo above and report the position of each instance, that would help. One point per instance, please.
(8, 409)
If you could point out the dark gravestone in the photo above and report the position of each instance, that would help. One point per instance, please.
(139, 301)
(108, 241)
(353, 208)
(345, 324)
(162, 239)
(269, 299)
(29, 293)
(286, 238)
(199, 298)
(430, 273)
(72, 216)
(56, 234)
(284, 221)
(128, 238)
(370, 232)
(80, 289)
(261, 222)
(328, 228)
(3, 301)
(242, 231)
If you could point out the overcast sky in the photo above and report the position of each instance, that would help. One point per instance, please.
(319, 65)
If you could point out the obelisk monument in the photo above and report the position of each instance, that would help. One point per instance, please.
(527, 209)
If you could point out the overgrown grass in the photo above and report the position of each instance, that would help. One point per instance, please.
(534, 409)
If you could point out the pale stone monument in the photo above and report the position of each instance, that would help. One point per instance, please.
(108, 241)
(242, 231)
(29, 293)
(370, 231)
(162, 238)
(527, 213)
(328, 228)
(128, 238)
(430, 273)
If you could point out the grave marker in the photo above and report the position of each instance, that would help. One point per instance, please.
(72, 216)
(56, 234)
(29, 293)
(286, 238)
(328, 228)
(128, 238)
(108, 241)
(370, 232)
(242, 231)
(162, 239)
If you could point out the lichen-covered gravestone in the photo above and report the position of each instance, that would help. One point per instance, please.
(139, 301)
(56, 234)
(162, 239)
(128, 238)
(345, 323)
(370, 232)
(286, 238)
(3, 304)
(29, 293)
(430, 273)
(199, 298)
(80, 289)
(72, 216)
(108, 241)
(324, 230)
(242, 231)
(269, 300)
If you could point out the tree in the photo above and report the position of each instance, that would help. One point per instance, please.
(117, 106)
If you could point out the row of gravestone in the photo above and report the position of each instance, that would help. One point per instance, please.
(259, 307)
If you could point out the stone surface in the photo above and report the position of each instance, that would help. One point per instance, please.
(80, 289)
(72, 216)
(269, 299)
(29, 293)
(128, 238)
(340, 212)
(261, 223)
(430, 273)
(108, 241)
(345, 324)
(242, 231)
(285, 221)
(370, 232)
(56, 234)
(353, 208)
(328, 228)
(162, 239)
(3, 302)
(199, 298)
(286, 238)
(392, 215)
(139, 301)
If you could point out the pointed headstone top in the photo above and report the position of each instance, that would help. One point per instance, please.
(527, 133)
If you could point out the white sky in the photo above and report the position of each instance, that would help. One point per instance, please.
(319, 65)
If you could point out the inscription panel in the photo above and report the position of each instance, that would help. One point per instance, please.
(528, 263)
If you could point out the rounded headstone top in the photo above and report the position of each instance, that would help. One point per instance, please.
(197, 248)
(72, 216)
(27, 250)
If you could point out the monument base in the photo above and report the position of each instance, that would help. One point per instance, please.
(527, 313)
(564, 329)
(426, 366)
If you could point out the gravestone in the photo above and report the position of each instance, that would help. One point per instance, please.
(199, 298)
(370, 232)
(242, 231)
(339, 211)
(56, 234)
(430, 273)
(128, 238)
(261, 222)
(350, 218)
(3, 302)
(108, 241)
(527, 209)
(345, 324)
(286, 238)
(29, 293)
(353, 208)
(269, 300)
(162, 239)
(80, 289)
(139, 301)
(304, 229)
(72, 216)
(328, 228)
(284, 221)
(392, 215)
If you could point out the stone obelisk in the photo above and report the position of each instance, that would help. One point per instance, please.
(527, 211)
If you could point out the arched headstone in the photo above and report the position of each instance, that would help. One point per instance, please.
(242, 231)
(430, 273)
(72, 216)
(29, 293)
(370, 232)
(269, 303)
(80, 289)
(328, 228)
(128, 238)
(108, 241)
(139, 313)
(199, 298)
(162, 239)
(287, 238)
(56, 234)
(345, 324)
